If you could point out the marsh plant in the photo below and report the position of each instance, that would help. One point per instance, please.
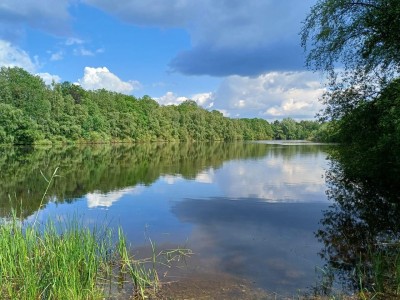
(67, 260)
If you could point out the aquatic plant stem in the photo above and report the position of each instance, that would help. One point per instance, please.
(49, 181)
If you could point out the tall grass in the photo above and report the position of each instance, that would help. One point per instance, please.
(66, 260)
(52, 264)
(376, 275)
(380, 277)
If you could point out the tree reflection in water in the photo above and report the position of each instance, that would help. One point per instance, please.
(360, 232)
(103, 168)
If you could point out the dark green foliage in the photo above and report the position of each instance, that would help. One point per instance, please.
(31, 112)
(371, 134)
(357, 34)
(360, 231)
(326, 133)
(75, 91)
(363, 101)
(15, 127)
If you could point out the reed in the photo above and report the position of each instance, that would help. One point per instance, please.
(67, 260)
(376, 275)
(380, 278)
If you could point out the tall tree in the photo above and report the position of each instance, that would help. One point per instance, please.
(358, 37)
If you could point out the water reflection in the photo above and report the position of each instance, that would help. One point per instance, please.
(271, 244)
(105, 200)
(104, 173)
(245, 209)
(104, 168)
(360, 232)
(276, 178)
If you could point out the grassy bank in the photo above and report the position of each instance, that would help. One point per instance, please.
(66, 261)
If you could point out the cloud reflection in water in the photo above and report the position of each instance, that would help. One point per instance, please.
(270, 243)
(97, 199)
(299, 178)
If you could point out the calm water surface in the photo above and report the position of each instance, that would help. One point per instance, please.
(247, 210)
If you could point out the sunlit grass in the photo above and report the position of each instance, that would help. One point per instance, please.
(67, 260)
(62, 261)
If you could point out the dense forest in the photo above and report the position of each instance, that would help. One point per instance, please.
(32, 112)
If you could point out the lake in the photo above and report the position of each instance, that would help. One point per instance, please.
(248, 211)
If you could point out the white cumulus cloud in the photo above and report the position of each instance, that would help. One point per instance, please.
(170, 99)
(11, 56)
(102, 78)
(202, 99)
(274, 95)
(49, 78)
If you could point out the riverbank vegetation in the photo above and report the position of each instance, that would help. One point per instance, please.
(356, 44)
(360, 233)
(67, 259)
(33, 113)
(70, 262)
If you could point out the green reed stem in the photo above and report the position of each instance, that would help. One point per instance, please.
(66, 260)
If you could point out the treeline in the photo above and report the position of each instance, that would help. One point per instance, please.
(32, 112)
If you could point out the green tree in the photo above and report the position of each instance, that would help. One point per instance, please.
(31, 112)
(372, 137)
(26, 92)
(75, 91)
(359, 37)
(17, 128)
(356, 33)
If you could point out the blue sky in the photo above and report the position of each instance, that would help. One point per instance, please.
(242, 58)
